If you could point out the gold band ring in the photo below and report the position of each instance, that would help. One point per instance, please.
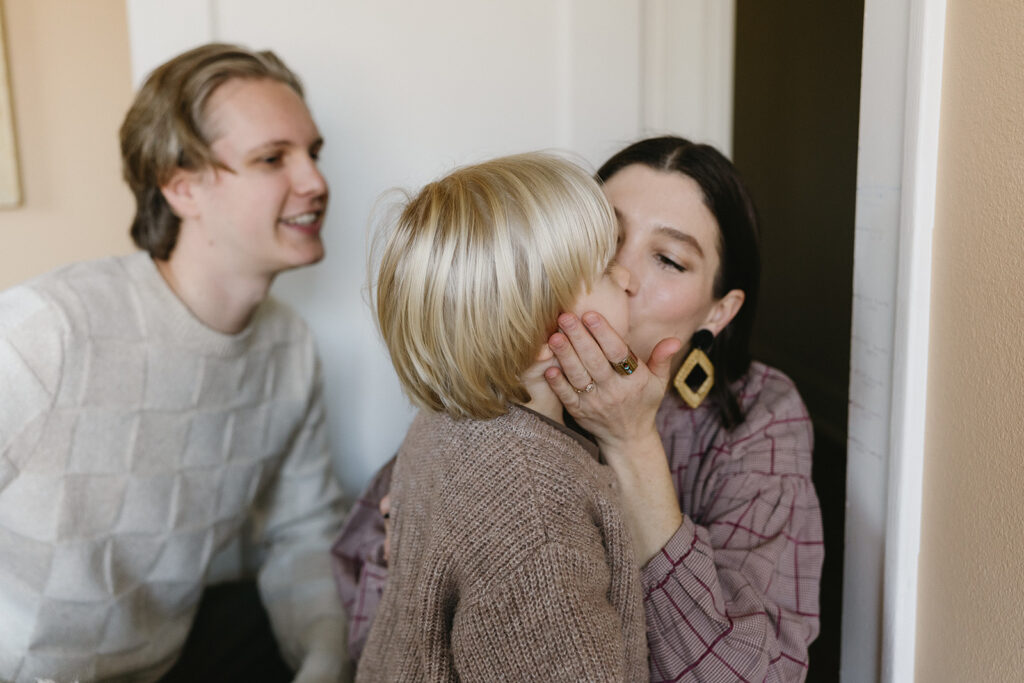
(626, 366)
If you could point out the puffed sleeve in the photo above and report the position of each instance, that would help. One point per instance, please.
(358, 555)
(733, 595)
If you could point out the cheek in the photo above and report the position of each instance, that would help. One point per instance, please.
(610, 301)
(674, 310)
(666, 312)
(618, 312)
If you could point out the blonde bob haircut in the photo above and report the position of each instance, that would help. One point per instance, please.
(475, 270)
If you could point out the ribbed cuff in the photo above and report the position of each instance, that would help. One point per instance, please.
(671, 555)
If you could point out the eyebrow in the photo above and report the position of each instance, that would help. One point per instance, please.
(681, 236)
(284, 143)
(669, 231)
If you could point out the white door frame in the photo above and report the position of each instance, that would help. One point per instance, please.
(687, 69)
(896, 184)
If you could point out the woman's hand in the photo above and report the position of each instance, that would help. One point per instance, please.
(619, 412)
(619, 409)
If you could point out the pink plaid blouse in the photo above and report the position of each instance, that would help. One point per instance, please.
(733, 595)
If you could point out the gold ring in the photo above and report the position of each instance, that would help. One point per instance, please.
(587, 389)
(626, 366)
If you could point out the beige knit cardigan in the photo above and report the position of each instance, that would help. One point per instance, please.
(510, 560)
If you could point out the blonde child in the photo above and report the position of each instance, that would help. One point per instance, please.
(509, 559)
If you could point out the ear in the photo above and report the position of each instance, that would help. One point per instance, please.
(180, 193)
(724, 310)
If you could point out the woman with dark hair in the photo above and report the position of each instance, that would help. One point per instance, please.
(711, 450)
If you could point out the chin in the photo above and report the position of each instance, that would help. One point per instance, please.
(315, 258)
(309, 254)
(301, 259)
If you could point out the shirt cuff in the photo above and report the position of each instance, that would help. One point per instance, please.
(672, 554)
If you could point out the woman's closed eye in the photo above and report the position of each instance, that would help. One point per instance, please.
(670, 263)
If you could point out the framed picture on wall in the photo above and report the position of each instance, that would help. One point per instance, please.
(10, 183)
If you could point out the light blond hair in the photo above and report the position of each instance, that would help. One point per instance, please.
(475, 271)
(165, 129)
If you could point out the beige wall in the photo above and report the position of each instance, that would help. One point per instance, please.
(971, 590)
(71, 85)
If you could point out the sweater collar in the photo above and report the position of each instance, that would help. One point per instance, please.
(588, 445)
(174, 319)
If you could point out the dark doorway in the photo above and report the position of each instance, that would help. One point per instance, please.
(797, 100)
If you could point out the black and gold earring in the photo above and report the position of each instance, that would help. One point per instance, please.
(696, 375)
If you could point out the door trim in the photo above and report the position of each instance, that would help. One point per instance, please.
(687, 58)
(896, 188)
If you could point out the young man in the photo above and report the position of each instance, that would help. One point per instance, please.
(152, 404)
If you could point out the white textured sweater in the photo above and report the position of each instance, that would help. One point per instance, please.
(134, 443)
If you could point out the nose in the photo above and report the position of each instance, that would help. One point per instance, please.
(626, 262)
(307, 179)
(621, 276)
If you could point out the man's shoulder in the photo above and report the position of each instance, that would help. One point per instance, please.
(43, 324)
(103, 284)
(115, 268)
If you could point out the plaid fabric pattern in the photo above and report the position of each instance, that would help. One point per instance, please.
(733, 595)
(359, 567)
(134, 443)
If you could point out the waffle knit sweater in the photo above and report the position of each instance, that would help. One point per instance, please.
(134, 443)
(510, 560)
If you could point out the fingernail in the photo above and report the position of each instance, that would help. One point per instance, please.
(567, 321)
(556, 341)
(592, 319)
(551, 373)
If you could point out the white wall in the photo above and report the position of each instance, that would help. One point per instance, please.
(403, 91)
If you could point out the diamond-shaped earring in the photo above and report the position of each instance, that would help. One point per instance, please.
(696, 375)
